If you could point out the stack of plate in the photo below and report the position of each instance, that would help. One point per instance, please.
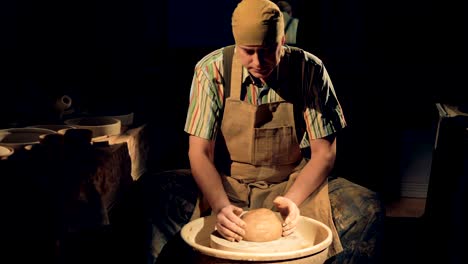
(18, 138)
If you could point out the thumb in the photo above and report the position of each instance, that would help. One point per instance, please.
(280, 202)
(237, 210)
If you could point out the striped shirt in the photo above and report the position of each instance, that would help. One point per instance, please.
(323, 114)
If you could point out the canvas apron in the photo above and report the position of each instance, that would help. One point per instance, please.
(265, 157)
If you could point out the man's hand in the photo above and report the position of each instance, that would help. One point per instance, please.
(229, 224)
(290, 213)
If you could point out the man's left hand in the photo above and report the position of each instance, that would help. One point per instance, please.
(290, 213)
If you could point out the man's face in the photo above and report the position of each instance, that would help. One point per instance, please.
(260, 60)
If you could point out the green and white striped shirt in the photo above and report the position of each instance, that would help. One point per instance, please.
(323, 114)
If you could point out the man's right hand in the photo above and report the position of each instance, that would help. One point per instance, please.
(229, 224)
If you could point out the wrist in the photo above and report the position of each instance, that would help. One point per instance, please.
(292, 198)
(218, 205)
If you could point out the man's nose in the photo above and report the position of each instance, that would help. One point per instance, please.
(257, 59)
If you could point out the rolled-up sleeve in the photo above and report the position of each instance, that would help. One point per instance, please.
(205, 103)
(323, 113)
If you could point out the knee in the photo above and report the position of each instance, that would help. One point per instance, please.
(370, 208)
(352, 203)
(372, 205)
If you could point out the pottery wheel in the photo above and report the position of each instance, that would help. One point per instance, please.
(284, 244)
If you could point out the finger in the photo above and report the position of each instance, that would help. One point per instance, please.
(235, 218)
(289, 226)
(236, 225)
(289, 231)
(291, 218)
(232, 222)
(227, 233)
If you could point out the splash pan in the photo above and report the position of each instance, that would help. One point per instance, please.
(311, 237)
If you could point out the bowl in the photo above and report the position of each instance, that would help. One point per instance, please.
(125, 119)
(17, 138)
(99, 125)
(310, 240)
(54, 127)
(5, 152)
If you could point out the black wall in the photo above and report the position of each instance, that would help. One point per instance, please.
(389, 60)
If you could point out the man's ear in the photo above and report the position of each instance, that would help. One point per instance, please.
(283, 40)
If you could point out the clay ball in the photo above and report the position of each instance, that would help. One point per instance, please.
(262, 225)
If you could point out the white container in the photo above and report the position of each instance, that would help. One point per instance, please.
(100, 125)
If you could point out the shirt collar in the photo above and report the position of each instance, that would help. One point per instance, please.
(247, 78)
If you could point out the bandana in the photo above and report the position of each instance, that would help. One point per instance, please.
(257, 22)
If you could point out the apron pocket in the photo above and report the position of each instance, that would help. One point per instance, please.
(274, 146)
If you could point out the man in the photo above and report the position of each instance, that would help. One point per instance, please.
(248, 138)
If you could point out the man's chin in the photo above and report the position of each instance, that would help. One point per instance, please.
(260, 74)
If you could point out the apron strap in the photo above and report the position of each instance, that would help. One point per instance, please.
(236, 76)
(228, 52)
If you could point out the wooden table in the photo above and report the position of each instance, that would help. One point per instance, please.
(52, 193)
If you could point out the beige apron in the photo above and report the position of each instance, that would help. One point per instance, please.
(265, 157)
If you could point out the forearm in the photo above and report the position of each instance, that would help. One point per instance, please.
(314, 172)
(209, 181)
(310, 177)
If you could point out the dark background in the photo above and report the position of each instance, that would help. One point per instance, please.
(390, 62)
